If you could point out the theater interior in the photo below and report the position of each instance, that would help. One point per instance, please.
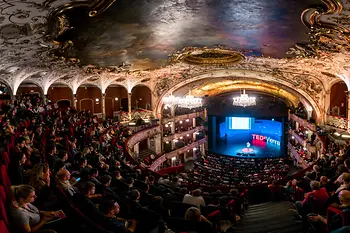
(165, 116)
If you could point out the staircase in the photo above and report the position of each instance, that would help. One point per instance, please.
(270, 217)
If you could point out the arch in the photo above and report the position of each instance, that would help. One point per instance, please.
(29, 87)
(60, 91)
(91, 92)
(308, 102)
(86, 104)
(338, 101)
(141, 97)
(113, 95)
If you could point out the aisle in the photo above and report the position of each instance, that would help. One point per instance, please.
(270, 217)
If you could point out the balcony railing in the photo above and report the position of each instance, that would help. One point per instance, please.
(337, 122)
(178, 135)
(301, 140)
(142, 135)
(174, 153)
(303, 122)
(183, 117)
(301, 162)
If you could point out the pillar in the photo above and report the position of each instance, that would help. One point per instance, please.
(327, 102)
(136, 150)
(205, 114)
(148, 143)
(194, 137)
(158, 144)
(129, 105)
(103, 106)
(172, 127)
(75, 101)
(348, 110)
(194, 122)
(173, 144)
(202, 149)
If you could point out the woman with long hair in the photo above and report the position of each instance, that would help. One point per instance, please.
(25, 216)
(40, 180)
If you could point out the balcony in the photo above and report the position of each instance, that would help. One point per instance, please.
(184, 117)
(303, 122)
(337, 122)
(300, 139)
(184, 133)
(174, 153)
(298, 158)
(142, 135)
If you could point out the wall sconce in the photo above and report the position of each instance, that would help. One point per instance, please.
(187, 135)
(116, 98)
(97, 100)
(167, 142)
(140, 98)
(187, 120)
(180, 122)
(181, 137)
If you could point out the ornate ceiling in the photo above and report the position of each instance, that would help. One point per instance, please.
(41, 48)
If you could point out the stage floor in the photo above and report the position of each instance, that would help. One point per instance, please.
(238, 146)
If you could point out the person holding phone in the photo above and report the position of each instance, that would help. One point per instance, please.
(63, 181)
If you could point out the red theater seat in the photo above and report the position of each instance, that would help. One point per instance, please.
(3, 228)
(4, 179)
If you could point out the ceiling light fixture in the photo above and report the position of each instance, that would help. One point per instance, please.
(244, 100)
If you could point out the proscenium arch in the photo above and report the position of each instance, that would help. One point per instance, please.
(245, 74)
(219, 88)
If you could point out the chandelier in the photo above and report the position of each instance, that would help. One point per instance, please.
(244, 100)
(190, 102)
(170, 100)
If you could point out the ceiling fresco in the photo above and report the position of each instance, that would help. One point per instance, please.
(300, 45)
(143, 33)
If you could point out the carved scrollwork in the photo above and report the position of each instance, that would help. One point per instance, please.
(338, 122)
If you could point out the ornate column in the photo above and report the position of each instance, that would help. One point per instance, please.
(103, 106)
(129, 105)
(136, 150)
(205, 114)
(348, 109)
(158, 144)
(194, 122)
(75, 101)
(202, 149)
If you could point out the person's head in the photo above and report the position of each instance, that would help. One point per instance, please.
(193, 213)
(116, 174)
(19, 158)
(63, 155)
(196, 192)
(344, 197)
(346, 178)
(134, 195)
(338, 160)
(40, 172)
(106, 180)
(21, 142)
(341, 169)
(82, 162)
(333, 163)
(233, 192)
(109, 208)
(151, 180)
(63, 175)
(130, 181)
(93, 172)
(22, 194)
(347, 163)
(316, 168)
(315, 185)
(323, 180)
(87, 188)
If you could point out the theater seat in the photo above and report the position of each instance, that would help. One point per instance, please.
(3, 195)
(3, 213)
(3, 228)
(5, 159)
(4, 179)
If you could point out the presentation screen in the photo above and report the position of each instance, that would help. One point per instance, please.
(240, 122)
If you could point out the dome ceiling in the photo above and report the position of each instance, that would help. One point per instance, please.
(160, 43)
(142, 33)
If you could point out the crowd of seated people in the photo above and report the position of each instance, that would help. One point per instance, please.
(216, 170)
(63, 159)
(327, 185)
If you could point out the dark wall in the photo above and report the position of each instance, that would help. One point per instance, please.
(338, 98)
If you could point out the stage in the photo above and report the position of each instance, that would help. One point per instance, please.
(246, 137)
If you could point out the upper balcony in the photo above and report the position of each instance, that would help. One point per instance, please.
(336, 122)
(183, 117)
(182, 134)
(303, 122)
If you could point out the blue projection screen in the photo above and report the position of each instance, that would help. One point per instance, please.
(239, 122)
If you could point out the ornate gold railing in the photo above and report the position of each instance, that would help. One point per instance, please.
(337, 122)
